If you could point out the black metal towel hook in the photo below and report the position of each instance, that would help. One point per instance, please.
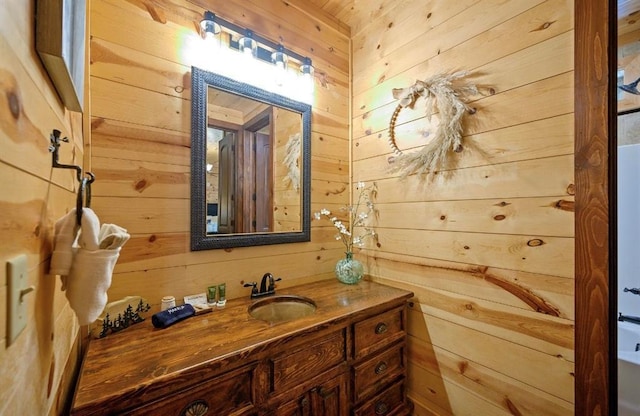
(85, 180)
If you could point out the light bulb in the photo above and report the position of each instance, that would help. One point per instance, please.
(247, 45)
(208, 26)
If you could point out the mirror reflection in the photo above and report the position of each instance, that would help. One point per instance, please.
(250, 165)
(253, 165)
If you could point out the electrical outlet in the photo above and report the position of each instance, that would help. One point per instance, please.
(17, 279)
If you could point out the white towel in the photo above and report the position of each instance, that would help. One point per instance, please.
(89, 230)
(66, 230)
(112, 236)
(88, 282)
(92, 267)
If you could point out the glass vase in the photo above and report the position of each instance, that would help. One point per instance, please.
(349, 270)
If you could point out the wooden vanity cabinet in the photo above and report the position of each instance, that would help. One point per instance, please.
(379, 370)
(329, 398)
(343, 361)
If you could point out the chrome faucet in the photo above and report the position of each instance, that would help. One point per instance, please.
(267, 286)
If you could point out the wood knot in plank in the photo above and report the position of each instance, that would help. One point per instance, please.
(462, 366)
(571, 189)
(97, 122)
(536, 242)
(544, 26)
(499, 217)
(14, 104)
(502, 204)
(563, 205)
(141, 185)
(152, 238)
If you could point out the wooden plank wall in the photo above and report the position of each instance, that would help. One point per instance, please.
(140, 136)
(487, 248)
(36, 371)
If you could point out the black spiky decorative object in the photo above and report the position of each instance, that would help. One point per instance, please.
(631, 88)
(121, 322)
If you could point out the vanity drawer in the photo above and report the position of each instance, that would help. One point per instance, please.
(370, 375)
(373, 333)
(308, 360)
(231, 394)
(386, 403)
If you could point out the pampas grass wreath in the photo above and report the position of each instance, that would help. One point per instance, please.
(446, 95)
(291, 158)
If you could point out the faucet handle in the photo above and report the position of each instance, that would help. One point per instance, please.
(253, 286)
(272, 282)
(635, 291)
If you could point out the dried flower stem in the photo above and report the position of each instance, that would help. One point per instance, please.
(356, 218)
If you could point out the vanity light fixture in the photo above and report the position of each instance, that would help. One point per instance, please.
(208, 26)
(247, 44)
(292, 72)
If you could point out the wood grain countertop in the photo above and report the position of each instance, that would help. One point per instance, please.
(142, 362)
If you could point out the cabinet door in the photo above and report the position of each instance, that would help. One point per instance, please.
(328, 399)
(299, 407)
(331, 398)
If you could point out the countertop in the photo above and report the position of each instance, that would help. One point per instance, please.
(124, 364)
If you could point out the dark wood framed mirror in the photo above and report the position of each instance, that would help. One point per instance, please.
(250, 165)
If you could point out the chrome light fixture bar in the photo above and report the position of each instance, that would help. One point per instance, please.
(272, 52)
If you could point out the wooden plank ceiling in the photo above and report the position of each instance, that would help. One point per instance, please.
(349, 11)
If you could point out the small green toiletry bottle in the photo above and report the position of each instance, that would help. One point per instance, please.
(222, 295)
(211, 295)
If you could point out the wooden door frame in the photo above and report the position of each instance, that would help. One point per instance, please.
(595, 217)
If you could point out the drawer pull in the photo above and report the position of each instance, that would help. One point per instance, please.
(381, 328)
(381, 367)
(381, 408)
(196, 408)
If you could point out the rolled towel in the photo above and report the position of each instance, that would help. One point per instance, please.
(89, 230)
(66, 230)
(170, 316)
(112, 236)
(88, 282)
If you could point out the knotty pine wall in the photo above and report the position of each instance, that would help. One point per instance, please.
(36, 371)
(488, 249)
(140, 142)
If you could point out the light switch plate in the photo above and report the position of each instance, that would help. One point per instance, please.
(17, 280)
